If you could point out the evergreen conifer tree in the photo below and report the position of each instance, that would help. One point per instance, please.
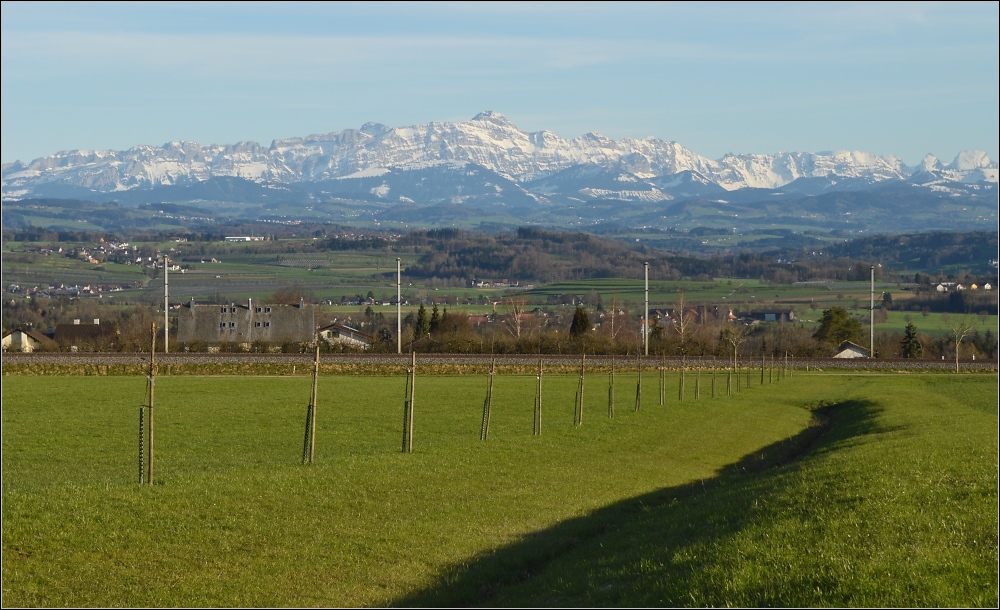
(581, 323)
(435, 318)
(423, 325)
(910, 347)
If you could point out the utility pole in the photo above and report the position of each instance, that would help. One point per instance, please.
(645, 315)
(166, 305)
(399, 314)
(871, 319)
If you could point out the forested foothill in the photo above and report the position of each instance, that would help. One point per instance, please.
(516, 291)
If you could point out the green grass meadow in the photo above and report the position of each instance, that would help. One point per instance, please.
(820, 489)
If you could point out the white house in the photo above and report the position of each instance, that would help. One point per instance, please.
(850, 350)
(26, 340)
(339, 333)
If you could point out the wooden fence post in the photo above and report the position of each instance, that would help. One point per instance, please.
(713, 376)
(611, 389)
(638, 383)
(578, 414)
(537, 430)
(411, 375)
(697, 382)
(484, 432)
(309, 451)
(152, 389)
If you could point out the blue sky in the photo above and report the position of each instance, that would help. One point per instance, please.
(889, 78)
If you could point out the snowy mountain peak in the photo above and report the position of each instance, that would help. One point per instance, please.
(929, 163)
(968, 160)
(492, 116)
(374, 129)
(969, 167)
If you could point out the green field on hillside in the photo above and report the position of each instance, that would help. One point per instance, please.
(745, 292)
(935, 324)
(891, 501)
(244, 272)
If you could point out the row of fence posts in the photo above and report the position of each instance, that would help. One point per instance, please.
(309, 442)
(578, 399)
(783, 365)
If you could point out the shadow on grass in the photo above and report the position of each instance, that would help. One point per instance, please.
(693, 514)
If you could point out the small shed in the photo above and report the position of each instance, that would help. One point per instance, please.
(848, 349)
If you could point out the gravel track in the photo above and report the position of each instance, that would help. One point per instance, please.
(397, 360)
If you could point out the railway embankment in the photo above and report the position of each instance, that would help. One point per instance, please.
(237, 363)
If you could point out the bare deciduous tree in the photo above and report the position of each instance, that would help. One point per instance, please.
(683, 321)
(734, 335)
(959, 329)
(614, 328)
(513, 322)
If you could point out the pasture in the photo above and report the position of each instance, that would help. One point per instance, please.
(820, 489)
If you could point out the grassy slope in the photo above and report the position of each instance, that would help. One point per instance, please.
(235, 520)
(900, 495)
(895, 505)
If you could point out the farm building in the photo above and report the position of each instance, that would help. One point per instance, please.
(697, 315)
(238, 323)
(26, 340)
(340, 333)
(770, 315)
(848, 349)
(96, 336)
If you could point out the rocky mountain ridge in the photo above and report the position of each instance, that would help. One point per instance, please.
(538, 165)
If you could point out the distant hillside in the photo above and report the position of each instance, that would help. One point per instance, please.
(530, 254)
(975, 251)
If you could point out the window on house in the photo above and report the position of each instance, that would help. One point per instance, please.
(267, 323)
(232, 325)
(223, 310)
(222, 324)
(232, 310)
(268, 310)
(257, 324)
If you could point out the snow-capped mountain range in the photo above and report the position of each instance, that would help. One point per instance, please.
(538, 165)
